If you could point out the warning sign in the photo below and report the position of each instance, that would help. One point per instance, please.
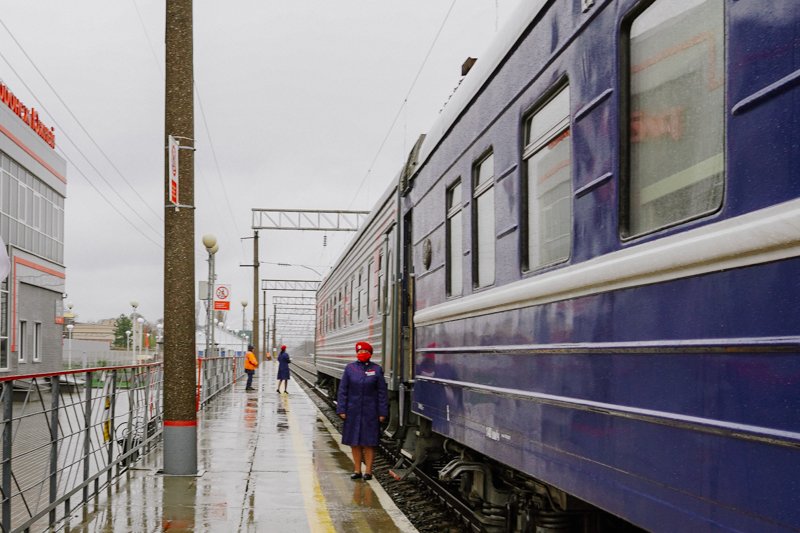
(222, 294)
(174, 182)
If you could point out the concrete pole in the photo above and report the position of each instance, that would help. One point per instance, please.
(255, 339)
(265, 324)
(274, 318)
(180, 418)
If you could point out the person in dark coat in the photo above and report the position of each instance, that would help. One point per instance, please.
(283, 369)
(363, 404)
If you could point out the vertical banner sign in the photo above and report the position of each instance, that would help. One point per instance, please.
(222, 295)
(173, 170)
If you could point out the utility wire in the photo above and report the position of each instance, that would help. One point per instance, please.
(85, 131)
(205, 127)
(405, 101)
(216, 161)
(103, 196)
(147, 38)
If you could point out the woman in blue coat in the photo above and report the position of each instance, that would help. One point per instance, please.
(363, 404)
(283, 369)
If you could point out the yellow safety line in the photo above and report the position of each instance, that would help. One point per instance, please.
(316, 509)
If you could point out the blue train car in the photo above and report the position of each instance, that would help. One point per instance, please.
(603, 229)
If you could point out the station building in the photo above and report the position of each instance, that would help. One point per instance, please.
(32, 191)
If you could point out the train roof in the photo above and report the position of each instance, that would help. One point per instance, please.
(492, 58)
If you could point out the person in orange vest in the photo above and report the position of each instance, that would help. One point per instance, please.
(250, 364)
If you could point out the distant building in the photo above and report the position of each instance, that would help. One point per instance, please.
(33, 187)
(99, 331)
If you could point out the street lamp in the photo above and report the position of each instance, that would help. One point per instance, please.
(135, 306)
(210, 242)
(221, 325)
(69, 345)
(160, 338)
(140, 320)
(128, 341)
(244, 305)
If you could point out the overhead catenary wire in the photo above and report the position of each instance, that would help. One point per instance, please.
(205, 128)
(403, 104)
(216, 161)
(85, 131)
(72, 162)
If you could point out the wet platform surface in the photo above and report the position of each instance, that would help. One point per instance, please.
(266, 462)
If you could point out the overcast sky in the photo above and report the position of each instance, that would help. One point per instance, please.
(295, 100)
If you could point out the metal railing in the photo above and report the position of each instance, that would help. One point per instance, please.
(68, 435)
(214, 374)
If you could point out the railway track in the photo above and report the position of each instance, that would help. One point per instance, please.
(429, 505)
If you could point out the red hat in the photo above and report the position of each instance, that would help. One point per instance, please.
(363, 347)
(283, 347)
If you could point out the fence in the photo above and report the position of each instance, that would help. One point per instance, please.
(67, 435)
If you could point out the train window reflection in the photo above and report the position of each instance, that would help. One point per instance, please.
(483, 235)
(548, 184)
(454, 246)
(676, 132)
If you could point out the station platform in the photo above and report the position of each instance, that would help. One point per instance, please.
(266, 462)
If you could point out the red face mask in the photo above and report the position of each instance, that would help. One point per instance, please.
(363, 356)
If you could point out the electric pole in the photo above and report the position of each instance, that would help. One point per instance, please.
(255, 298)
(180, 418)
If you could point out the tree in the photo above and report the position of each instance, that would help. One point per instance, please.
(122, 324)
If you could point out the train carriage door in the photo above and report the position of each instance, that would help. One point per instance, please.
(385, 301)
(407, 302)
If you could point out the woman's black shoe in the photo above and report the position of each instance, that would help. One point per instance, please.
(367, 477)
(356, 475)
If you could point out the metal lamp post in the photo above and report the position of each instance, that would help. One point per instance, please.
(140, 320)
(160, 339)
(210, 243)
(221, 325)
(135, 305)
(69, 346)
(244, 324)
(128, 340)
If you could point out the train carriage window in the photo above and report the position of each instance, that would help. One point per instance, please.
(361, 298)
(676, 95)
(454, 246)
(370, 290)
(483, 234)
(353, 290)
(548, 184)
(380, 285)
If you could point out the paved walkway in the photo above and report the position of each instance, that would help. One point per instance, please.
(267, 462)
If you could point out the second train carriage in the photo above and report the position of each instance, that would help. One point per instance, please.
(599, 253)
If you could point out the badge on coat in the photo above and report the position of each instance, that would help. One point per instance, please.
(369, 373)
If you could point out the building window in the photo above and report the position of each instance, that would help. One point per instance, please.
(22, 344)
(547, 224)
(676, 106)
(483, 232)
(37, 341)
(454, 245)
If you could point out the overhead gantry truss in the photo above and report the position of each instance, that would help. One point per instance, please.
(308, 219)
(294, 300)
(289, 285)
